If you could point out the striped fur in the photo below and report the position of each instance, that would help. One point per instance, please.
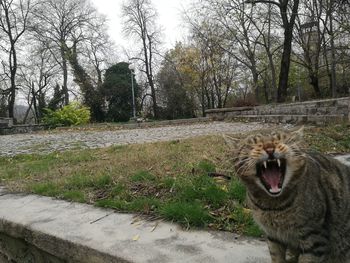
(310, 218)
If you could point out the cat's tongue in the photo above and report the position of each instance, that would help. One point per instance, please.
(272, 177)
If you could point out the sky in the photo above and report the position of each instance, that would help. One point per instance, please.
(170, 19)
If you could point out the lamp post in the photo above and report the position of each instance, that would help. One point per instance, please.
(132, 68)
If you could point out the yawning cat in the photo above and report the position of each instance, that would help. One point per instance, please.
(301, 199)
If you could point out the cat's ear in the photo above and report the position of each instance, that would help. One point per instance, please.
(231, 142)
(298, 134)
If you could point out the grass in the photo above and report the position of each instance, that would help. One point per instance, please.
(165, 179)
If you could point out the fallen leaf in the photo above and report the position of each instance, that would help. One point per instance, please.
(136, 237)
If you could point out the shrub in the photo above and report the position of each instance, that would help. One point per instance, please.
(72, 114)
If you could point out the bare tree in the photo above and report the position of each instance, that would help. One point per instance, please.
(97, 50)
(13, 24)
(309, 35)
(140, 22)
(288, 12)
(59, 23)
(241, 32)
(37, 77)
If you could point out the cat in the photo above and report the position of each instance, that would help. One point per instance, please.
(300, 198)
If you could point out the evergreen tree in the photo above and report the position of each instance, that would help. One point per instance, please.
(117, 92)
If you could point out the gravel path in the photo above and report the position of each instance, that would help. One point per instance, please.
(49, 142)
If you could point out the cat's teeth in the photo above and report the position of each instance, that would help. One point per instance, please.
(265, 164)
(279, 162)
(274, 191)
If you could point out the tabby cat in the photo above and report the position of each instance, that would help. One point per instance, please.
(301, 199)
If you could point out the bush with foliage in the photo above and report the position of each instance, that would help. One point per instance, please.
(72, 114)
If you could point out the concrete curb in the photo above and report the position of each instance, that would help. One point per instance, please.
(82, 233)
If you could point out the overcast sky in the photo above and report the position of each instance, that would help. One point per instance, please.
(169, 18)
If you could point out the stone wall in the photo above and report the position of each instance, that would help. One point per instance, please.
(318, 112)
(14, 129)
(25, 244)
(16, 250)
(6, 122)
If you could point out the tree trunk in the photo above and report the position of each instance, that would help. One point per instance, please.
(148, 67)
(65, 73)
(35, 106)
(255, 83)
(13, 70)
(333, 62)
(91, 97)
(266, 92)
(285, 65)
(12, 99)
(315, 84)
(287, 49)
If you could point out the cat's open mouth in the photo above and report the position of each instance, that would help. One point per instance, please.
(271, 173)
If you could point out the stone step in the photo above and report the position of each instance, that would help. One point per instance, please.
(40, 229)
(295, 119)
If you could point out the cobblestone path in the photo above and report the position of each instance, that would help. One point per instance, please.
(49, 142)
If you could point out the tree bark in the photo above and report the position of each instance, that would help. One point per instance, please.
(287, 48)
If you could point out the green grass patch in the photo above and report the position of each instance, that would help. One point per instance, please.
(201, 188)
(80, 181)
(77, 157)
(243, 220)
(142, 205)
(186, 213)
(120, 205)
(145, 205)
(76, 196)
(117, 148)
(237, 190)
(48, 189)
(142, 176)
(330, 139)
(103, 181)
(118, 190)
(206, 166)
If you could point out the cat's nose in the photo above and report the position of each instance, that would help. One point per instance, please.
(270, 152)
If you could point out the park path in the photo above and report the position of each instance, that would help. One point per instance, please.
(46, 142)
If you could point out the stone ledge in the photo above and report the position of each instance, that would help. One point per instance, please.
(81, 233)
(17, 129)
(317, 111)
(297, 119)
(229, 109)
